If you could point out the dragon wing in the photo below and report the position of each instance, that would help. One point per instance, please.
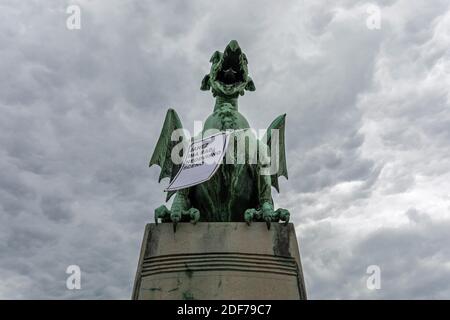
(278, 124)
(162, 153)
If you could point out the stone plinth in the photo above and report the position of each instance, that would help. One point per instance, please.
(220, 260)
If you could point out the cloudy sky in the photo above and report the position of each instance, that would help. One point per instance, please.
(368, 134)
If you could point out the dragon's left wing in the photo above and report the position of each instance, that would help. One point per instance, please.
(279, 125)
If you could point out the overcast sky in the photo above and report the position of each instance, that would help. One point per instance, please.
(368, 135)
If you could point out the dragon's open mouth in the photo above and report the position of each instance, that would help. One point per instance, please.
(231, 71)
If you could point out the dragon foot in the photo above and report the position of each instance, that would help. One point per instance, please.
(252, 215)
(267, 214)
(162, 213)
(192, 214)
(283, 215)
(175, 216)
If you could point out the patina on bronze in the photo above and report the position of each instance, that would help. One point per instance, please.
(237, 192)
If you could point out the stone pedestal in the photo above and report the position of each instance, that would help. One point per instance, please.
(219, 260)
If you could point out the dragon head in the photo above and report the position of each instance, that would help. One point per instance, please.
(229, 73)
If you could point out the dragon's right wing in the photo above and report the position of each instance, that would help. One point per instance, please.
(162, 153)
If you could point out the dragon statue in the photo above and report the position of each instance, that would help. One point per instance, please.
(236, 192)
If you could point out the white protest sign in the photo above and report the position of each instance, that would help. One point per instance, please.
(201, 161)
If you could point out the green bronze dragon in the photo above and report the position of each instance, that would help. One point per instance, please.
(236, 192)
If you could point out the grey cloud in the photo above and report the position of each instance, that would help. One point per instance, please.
(411, 259)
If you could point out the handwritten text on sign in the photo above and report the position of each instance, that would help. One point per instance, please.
(202, 160)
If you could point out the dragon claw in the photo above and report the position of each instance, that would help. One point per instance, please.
(193, 215)
(175, 216)
(284, 215)
(268, 214)
(250, 215)
(162, 213)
